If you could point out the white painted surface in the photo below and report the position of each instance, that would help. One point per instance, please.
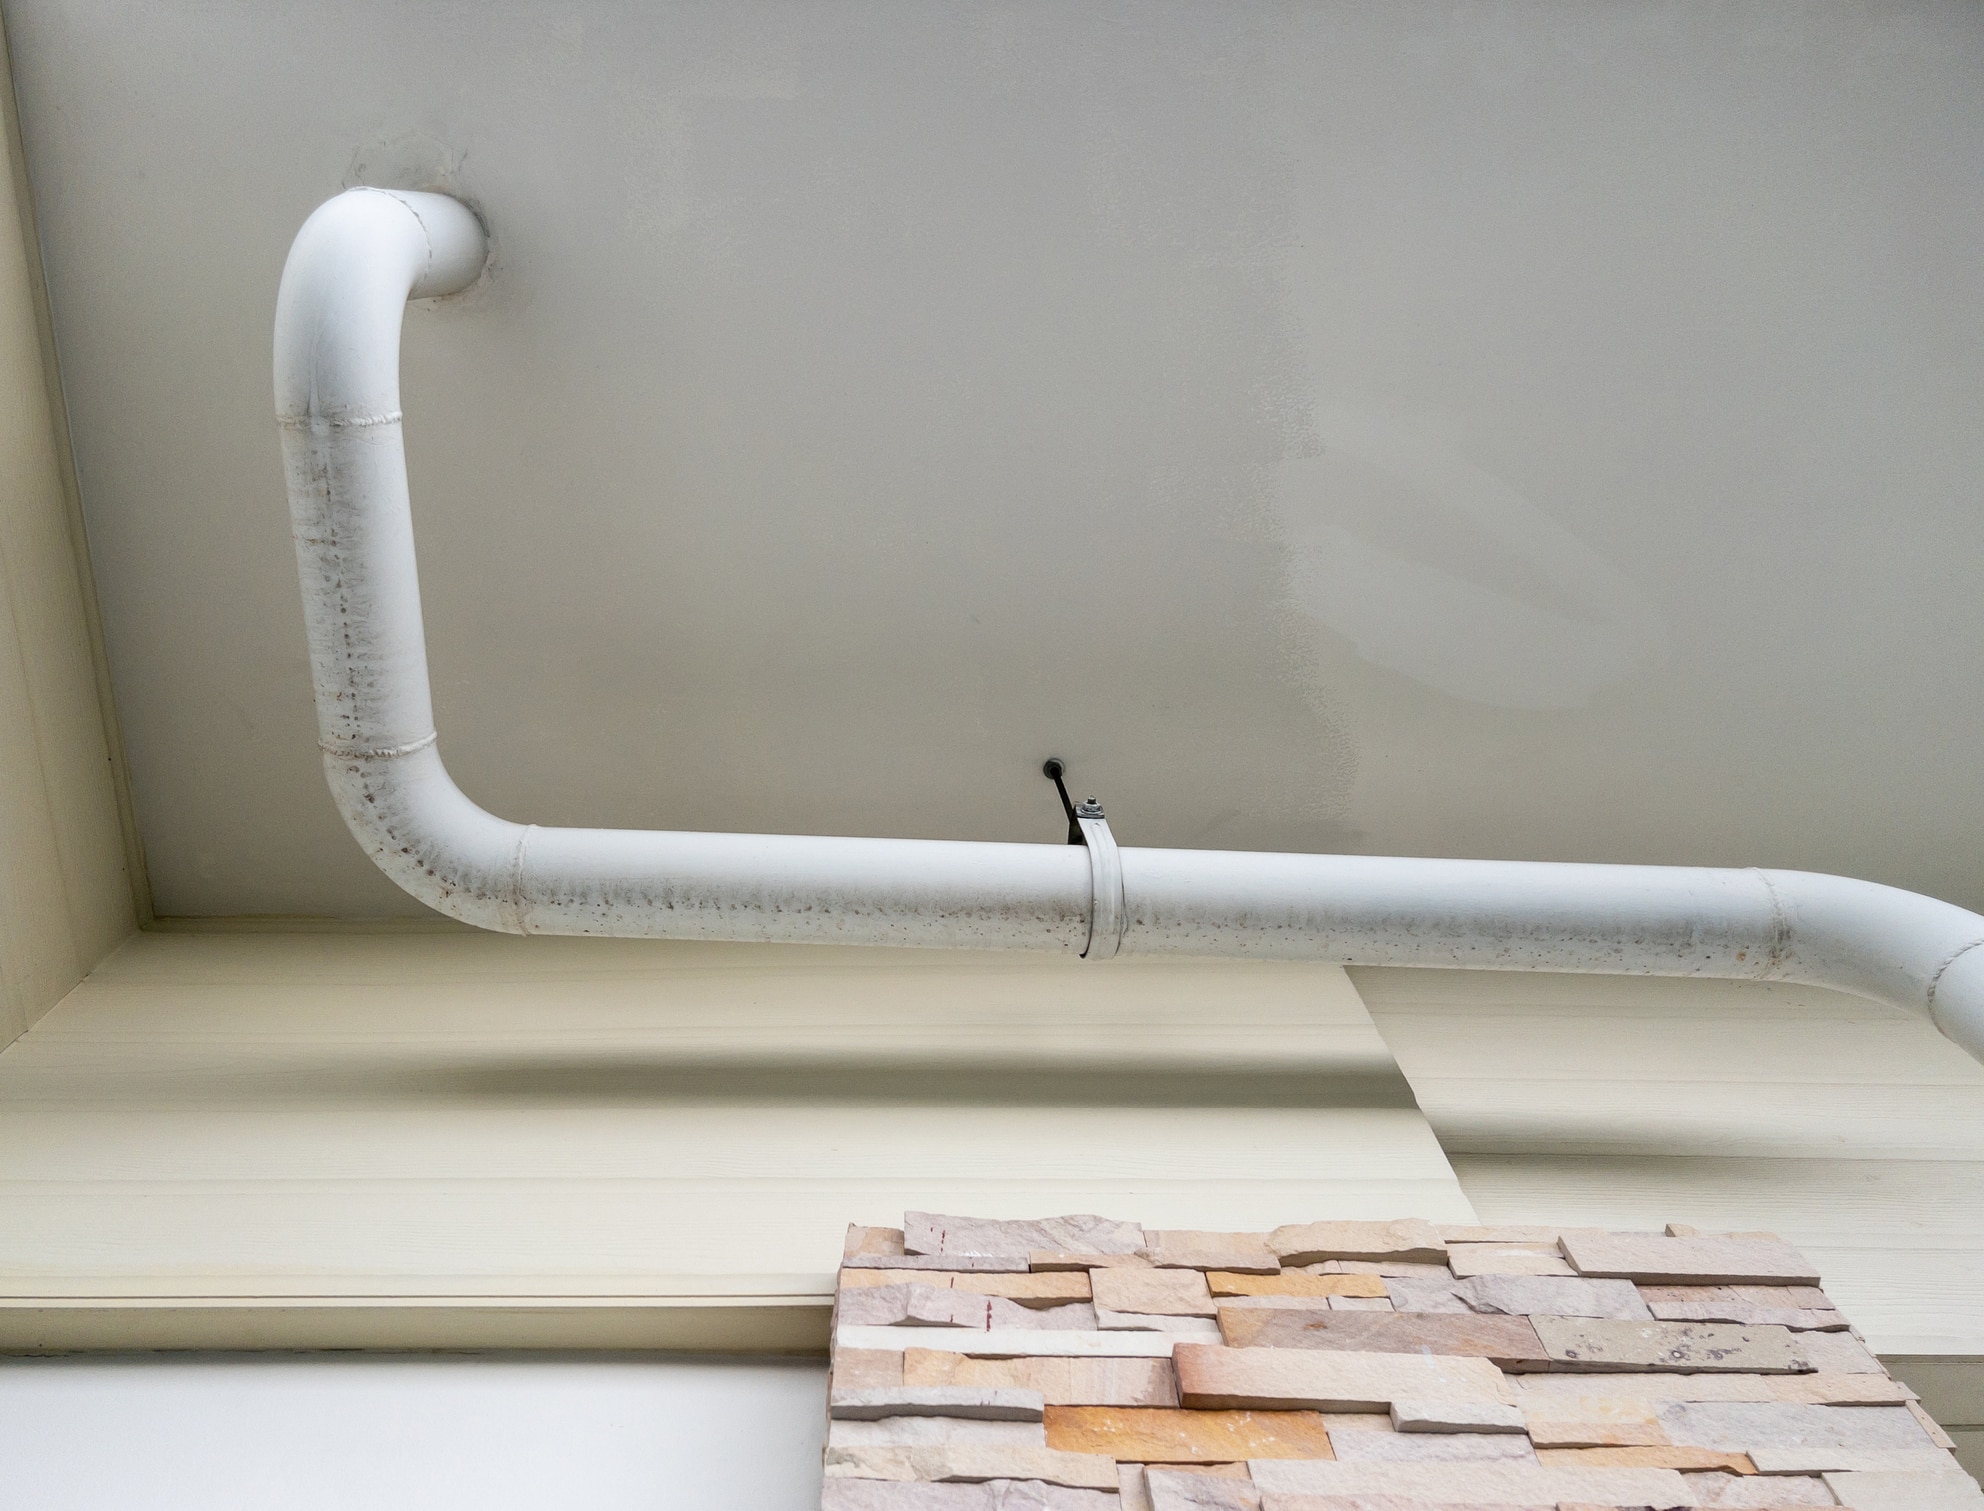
(404, 1433)
(1519, 431)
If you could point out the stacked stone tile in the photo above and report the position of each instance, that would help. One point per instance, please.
(1087, 1364)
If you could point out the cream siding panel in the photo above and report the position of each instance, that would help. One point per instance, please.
(278, 1127)
(65, 894)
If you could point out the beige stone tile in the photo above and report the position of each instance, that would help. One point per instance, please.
(1474, 1484)
(1057, 1259)
(1830, 1389)
(950, 1263)
(1679, 1261)
(1414, 1295)
(977, 1402)
(1906, 1492)
(1201, 1328)
(937, 1233)
(1505, 1233)
(1275, 1500)
(1360, 1304)
(1434, 1448)
(1554, 1296)
(1509, 1341)
(1245, 1252)
(1756, 1426)
(1861, 1460)
(1798, 1319)
(1021, 1286)
(1072, 1316)
(1409, 1239)
(1629, 1386)
(1198, 1490)
(1803, 1308)
(1591, 1421)
(1013, 1342)
(1577, 1343)
(973, 1462)
(1226, 1283)
(1650, 1457)
(917, 1431)
(1274, 1303)
(1456, 1416)
(1180, 1293)
(1837, 1354)
(1308, 1380)
(1817, 1390)
(1770, 1493)
(866, 1369)
(910, 1306)
(1810, 1297)
(1784, 1438)
(1156, 1436)
(1133, 1487)
(1060, 1381)
(1029, 1289)
(1466, 1259)
(878, 1241)
(995, 1495)
(1400, 1269)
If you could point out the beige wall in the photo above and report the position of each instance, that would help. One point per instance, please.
(462, 1138)
(66, 897)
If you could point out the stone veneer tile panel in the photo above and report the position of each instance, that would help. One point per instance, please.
(1535, 1368)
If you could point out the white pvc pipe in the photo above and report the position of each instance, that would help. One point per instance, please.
(355, 264)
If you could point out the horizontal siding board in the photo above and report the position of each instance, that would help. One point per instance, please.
(397, 1117)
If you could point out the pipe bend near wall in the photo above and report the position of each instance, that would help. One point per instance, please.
(356, 263)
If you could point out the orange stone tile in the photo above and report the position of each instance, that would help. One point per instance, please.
(886, 1242)
(1592, 1422)
(1668, 1457)
(1153, 1436)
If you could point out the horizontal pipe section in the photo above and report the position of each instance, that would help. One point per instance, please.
(355, 264)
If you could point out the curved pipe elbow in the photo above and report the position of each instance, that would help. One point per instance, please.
(421, 830)
(1884, 943)
(354, 265)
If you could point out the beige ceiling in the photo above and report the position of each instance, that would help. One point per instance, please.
(1502, 430)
